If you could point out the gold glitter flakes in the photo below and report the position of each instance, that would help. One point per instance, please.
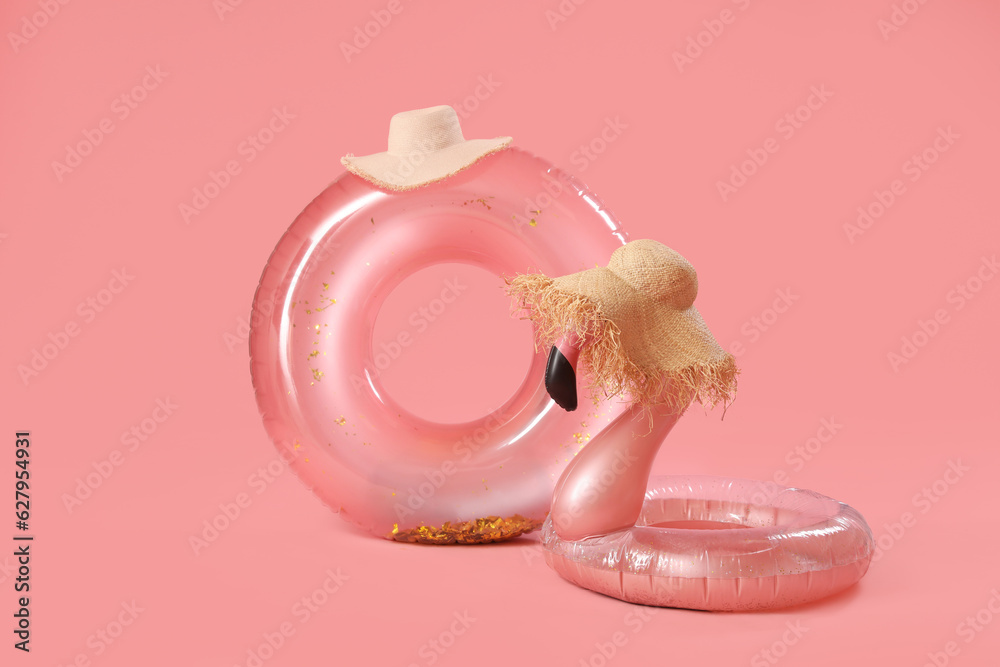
(480, 200)
(477, 531)
(341, 421)
(317, 374)
(533, 222)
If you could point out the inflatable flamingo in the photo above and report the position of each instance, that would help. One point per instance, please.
(695, 542)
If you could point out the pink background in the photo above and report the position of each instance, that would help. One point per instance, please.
(174, 331)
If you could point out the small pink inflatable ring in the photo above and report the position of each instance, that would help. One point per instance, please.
(723, 545)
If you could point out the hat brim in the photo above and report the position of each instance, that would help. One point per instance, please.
(394, 172)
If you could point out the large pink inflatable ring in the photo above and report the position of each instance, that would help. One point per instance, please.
(314, 368)
(721, 544)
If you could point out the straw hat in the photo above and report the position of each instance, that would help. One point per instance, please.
(641, 332)
(425, 146)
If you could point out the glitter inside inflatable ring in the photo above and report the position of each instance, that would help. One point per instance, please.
(312, 359)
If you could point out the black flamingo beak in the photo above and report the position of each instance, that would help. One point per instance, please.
(560, 380)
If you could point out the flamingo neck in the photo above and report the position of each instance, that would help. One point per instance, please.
(603, 488)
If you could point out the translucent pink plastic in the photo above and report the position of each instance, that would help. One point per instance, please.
(721, 544)
(312, 355)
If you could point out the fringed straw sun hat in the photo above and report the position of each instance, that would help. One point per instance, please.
(425, 146)
(641, 332)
